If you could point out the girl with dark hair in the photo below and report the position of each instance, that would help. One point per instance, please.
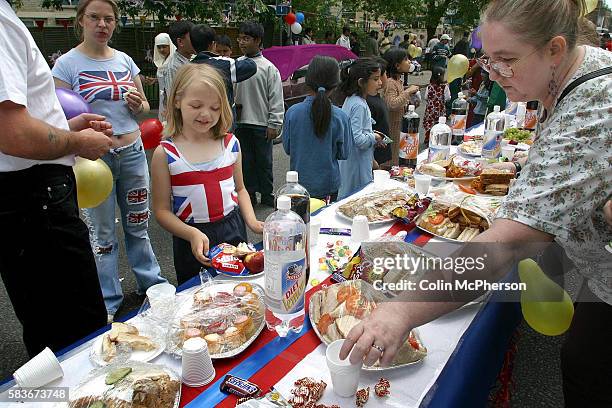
(360, 79)
(317, 134)
(380, 120)
(437, 94)
(396, 97)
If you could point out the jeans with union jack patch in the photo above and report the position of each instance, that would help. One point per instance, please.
(131, 193)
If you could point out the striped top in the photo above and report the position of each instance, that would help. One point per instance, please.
(206, 192)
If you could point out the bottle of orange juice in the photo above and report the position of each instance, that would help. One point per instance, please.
(458, 118)
(409, 138)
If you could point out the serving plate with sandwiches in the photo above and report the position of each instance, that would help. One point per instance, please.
(454, 168)
(137, 340)
(492, 181)
(452, 222)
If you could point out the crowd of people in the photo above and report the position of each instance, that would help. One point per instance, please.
(221, 116)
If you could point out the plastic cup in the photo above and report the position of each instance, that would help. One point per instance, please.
(197, 367)
(39, 371)
(360, 230)
(508, 152)
(422, 183)
(315, 227)
(344, 375)
(161, 297)
(380, 178)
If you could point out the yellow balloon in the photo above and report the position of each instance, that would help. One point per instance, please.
(419, 52)
(315, 204)
(546, 307)
(412, 50)
(457, 67)
(591, 5)
(94, 181)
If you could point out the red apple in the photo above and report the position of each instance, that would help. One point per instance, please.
(254, 262)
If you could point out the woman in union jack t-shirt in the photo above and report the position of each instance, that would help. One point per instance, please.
(108, 80)
(199, 194)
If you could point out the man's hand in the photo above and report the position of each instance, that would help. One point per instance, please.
(91, 120)
(271, 134)
(92, 144)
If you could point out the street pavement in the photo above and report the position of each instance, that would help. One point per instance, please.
(536, 374)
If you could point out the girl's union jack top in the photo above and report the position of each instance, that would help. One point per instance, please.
(206, 193)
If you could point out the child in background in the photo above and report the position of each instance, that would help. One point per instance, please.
(436, 94)
(260, 108)
(480, 99)
(360, 79)
(396, 97)
(317, 134)
(224, 46)
(199, 194)
(380, 119)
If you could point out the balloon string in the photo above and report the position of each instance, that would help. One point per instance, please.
(93, 241)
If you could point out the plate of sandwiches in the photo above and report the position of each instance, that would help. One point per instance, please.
(336, 309)
(138, 340)
(454, 168)
(492, 181)
(130, 384)
(452, 222)
(376, 207)
(227, 315)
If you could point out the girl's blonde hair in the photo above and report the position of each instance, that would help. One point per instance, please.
(187, 75)
(538, 21)
(80, 12)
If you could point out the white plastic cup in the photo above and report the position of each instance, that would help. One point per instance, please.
(360, 230)
(315, 228)
(39, 371)
(508, 152)
(380, 178)
(422, 183)
(344, 375)
(161, 297)
(197, 367)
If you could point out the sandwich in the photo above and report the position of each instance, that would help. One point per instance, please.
(495, 176)
(496, 189)
(433, 169)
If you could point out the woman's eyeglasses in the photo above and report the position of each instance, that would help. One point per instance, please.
(94, 18)
(501, 68)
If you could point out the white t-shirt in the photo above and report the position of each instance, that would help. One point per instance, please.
(25, 79)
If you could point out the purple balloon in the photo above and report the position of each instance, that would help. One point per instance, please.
(476, 41)
(72, 103)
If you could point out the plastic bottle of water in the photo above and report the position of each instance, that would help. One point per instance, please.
(439, 141)
(409, 138)
(494, 131)
(521, 112)
(459, 118)
(300, 204)
(284, 239)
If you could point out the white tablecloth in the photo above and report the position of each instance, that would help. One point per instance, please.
(408, 385)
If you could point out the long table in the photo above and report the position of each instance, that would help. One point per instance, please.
(465, 349)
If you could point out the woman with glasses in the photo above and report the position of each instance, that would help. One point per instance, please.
(108, 80)
(533, 50)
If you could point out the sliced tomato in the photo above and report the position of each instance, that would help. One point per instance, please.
(467, 189)
(324, 322)
(436, 219)
(413, 342)
(346, 292)
(356, 306)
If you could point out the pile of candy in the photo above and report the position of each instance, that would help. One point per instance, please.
(381, 389)
(306, 393)
(362, 396)
(336, 256)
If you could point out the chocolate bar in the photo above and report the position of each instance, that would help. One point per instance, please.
(238, 386)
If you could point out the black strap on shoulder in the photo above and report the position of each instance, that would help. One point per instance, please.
(582, 79)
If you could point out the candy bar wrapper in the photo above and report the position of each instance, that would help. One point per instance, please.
(401, 172)
(226, 262)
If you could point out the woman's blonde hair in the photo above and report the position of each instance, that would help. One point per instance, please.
(538, 21)
(187, 75)
(80, 12)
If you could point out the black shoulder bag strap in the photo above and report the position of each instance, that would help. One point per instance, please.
(582, 79)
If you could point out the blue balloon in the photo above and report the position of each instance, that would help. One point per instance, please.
(299, 17)
(72, 103)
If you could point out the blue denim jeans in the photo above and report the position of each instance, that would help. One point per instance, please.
(131, 192)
